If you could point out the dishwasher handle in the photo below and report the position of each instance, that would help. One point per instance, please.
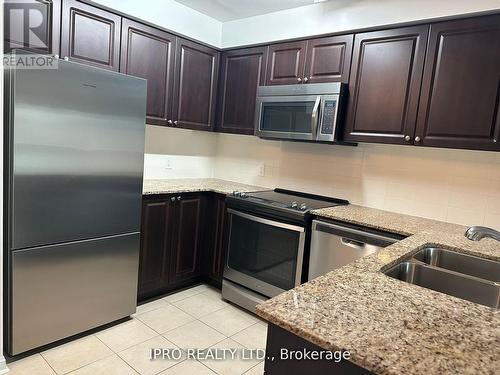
(353, 243)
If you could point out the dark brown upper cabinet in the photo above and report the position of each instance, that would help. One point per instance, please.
(90, 35)
(148, 53)
(286, 63)
(44, 38)
(328, 59)
(242, 71)
(186, 248)
(460, 98)
(195, 87)
(385, 84)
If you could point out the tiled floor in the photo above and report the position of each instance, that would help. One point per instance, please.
(193, 318)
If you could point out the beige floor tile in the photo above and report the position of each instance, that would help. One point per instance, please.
(256, 370)
(253, 337)
(201, 304)
(153, 305)
(33, 365)
(229, 320)
(165, 318)
(139, 356)
(188, 368)
(236, 366)
(186, 293)
(196, 335)
(125, 335)
(113, 365)
(75, 354)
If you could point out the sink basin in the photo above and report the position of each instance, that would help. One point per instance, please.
(452, 283)
(463, 263)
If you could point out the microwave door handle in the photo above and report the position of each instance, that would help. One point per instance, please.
(314, 118)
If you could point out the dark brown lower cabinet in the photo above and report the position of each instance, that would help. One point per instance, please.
(215, 240)
(171, 243)
(281, 342)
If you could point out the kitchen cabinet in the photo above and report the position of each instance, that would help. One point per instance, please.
(242, 71)
(171, 242)
(385, 84)
(215, 240)
(195, 87)
(90, 35)
(329, 59)
(148, 53)
(286, 63)
(42, 39)
(460, 98)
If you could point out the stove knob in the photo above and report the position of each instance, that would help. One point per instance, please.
(244, 195)
(236, 193)
(303, 207)
(293, 204)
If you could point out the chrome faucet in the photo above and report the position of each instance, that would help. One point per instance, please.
(476, 233)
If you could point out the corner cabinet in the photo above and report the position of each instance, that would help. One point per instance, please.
(148, 53)
(90, 35)
(215, 235)
(241, 72)
(47, 34)
(195, 87)
(460, 99)
(385, 84)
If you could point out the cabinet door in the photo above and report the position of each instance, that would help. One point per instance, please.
(460, 99)
(241, 72)
(185, 254)
(286, 63)
(329, 59)
(41, 39)
(148, 53)
(156, 235)
(90, 35)
(216, 240)
(196, 71)
(385, 84)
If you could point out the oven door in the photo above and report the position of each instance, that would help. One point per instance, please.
(287, 117)
(263, 255)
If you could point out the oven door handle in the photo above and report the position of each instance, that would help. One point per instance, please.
(261, 220)
(315, 118)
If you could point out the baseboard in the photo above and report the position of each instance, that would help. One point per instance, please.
(3, 365)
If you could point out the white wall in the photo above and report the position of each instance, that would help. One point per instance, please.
(341, 15)
(452, 185)
(173, 16)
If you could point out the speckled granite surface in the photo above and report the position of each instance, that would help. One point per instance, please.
(186, 185)
(389, 326)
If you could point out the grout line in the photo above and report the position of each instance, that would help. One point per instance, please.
(53, 369)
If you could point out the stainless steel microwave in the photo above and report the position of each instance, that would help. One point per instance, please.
(306, 112)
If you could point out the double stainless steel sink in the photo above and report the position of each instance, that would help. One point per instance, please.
(464, 276)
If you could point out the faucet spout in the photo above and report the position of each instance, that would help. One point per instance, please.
(476, 233)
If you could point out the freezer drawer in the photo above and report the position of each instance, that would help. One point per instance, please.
(61, 290)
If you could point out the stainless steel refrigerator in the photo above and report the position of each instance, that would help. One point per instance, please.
(73, 172)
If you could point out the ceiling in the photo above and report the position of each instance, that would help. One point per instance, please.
(228, 10)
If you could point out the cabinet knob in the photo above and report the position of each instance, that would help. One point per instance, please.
(179, 198)
(299, 79)
(172, 199)
(417, 139)
(66, 58)
(170, 122)
(175, 122)
(495, 140)
(56, 57)
(407, 138)
(306, 79)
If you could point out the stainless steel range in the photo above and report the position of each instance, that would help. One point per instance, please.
(268, 236)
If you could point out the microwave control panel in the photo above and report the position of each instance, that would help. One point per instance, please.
(328, 117)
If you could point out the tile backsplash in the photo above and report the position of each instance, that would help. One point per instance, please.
(459, 186)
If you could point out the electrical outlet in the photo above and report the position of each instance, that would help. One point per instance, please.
(262, 170)
(168, 164)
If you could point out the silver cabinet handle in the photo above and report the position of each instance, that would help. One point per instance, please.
(407, 138)
(66, 58)
(172, 199)
(175, 122)
(179, 198)
(417, 139)
(170, 122)
(299, 79)
(306, 79)
(495, 140)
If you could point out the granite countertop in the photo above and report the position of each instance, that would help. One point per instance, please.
(390, 326)
(186, 185)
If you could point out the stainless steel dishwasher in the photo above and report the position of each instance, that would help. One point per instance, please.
(335, 245)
